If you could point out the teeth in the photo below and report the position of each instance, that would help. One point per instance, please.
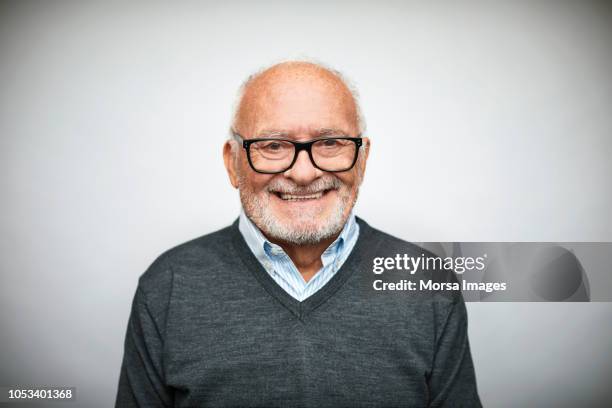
(291, 197)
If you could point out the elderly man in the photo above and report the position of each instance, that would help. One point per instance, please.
(274, 310)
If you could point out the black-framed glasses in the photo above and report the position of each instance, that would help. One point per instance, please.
(330, 154)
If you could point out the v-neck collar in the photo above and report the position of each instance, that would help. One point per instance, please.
(303, 308)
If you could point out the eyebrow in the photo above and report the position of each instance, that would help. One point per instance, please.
(330, 132)
(320, 132)
(273, 133)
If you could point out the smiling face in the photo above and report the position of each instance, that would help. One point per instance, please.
(300, 102)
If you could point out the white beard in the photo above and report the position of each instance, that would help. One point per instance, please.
(304, 228)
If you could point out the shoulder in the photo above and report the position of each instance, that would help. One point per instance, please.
(386, 243)
(207, 252)
(176, 273)
(380, 248)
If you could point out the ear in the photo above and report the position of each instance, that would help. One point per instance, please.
(366, 143)
(231, 162)
(364, 158)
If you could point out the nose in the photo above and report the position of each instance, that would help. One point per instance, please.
(302, 171)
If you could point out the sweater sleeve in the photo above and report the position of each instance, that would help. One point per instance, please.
(453, 382)
(141, 382)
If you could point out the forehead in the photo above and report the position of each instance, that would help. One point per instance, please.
(295, 102)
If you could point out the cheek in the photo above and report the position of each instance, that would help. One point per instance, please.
(349, 179)
(257, 182)
(251, 180)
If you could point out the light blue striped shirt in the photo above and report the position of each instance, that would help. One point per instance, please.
(281, 268)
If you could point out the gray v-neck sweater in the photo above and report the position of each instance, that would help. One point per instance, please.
(210, 327)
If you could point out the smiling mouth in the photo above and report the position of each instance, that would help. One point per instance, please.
(300, 197)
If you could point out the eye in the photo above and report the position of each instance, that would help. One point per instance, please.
(272, 146)
(330, 143)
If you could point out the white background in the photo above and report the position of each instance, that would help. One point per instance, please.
(489, 122)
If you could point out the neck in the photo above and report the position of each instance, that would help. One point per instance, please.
(307, 258)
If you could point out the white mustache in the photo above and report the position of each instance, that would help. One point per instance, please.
(285, 186)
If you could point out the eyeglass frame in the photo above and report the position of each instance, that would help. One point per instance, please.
(298, 147)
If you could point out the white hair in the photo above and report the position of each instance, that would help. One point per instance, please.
(361, 124)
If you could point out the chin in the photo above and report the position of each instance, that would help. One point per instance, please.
(305, 230)
(313, 218)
